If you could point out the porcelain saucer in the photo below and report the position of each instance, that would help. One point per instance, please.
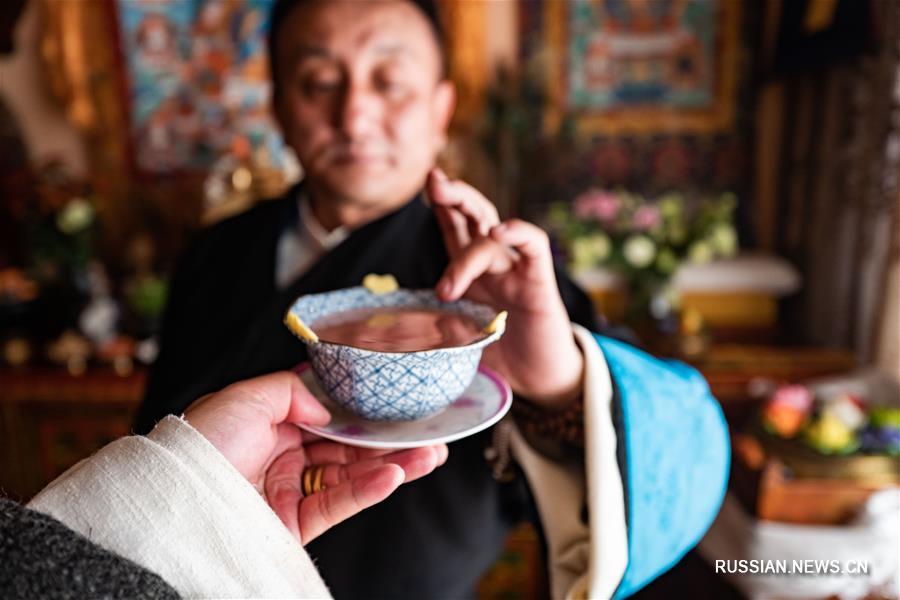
(483, 403)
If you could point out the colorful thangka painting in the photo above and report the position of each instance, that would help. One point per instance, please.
(631, 53)
(196, 79)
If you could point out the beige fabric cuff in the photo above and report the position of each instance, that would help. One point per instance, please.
(585, 561)
(173, 504)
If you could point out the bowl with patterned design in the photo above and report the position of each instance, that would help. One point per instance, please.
(390, 354)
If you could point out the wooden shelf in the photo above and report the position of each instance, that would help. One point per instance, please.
(49, 420)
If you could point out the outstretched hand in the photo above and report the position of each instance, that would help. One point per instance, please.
(253, 424)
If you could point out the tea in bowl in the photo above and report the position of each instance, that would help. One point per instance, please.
(395, 355)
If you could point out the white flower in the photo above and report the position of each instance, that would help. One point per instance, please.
(601, 246)
(700, 252)
(591, 250)
(75, 216)
(639, 251)
(724, 239)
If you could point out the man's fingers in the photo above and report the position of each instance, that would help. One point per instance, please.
(327, 451)
(530, 241)
(325, 509)
(482, 256)
(349, 487)
(508, 243)
(416, 462)
(453, 229)
(479, 212)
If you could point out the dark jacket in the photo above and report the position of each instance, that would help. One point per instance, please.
(42, 558)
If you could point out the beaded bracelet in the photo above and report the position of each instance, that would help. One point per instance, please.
(565, 426)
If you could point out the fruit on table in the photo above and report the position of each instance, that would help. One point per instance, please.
(829, 435)
(787, 410)
(883, 433)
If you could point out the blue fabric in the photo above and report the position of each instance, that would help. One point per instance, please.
(678, 455)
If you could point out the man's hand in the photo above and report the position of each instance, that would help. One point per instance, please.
(253, 424)
(509, 265)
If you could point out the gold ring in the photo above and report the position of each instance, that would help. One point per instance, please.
(311, 479)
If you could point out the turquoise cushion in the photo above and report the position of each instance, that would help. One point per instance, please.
(678, 455)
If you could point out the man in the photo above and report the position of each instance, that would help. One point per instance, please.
(360, 94)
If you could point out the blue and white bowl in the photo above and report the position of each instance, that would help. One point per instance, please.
(390, 386)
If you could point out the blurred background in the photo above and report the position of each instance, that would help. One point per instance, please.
(720, 175)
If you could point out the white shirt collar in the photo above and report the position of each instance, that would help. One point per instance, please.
(300, 247)
(312, 230)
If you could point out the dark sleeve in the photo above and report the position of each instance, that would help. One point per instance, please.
(42, 558)
(578, 303)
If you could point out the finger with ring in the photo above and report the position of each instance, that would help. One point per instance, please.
(312, 479)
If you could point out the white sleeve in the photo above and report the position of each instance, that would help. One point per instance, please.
(172, 503)
(585, 560)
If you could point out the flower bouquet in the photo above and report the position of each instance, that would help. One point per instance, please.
(644, 240)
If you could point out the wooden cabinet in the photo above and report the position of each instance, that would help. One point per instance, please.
(49, 420)
(737, 373)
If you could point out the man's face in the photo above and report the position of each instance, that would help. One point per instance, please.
(361, 99)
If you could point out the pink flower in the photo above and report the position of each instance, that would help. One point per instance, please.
(597, 204)
(646, 218)
(796, 396)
